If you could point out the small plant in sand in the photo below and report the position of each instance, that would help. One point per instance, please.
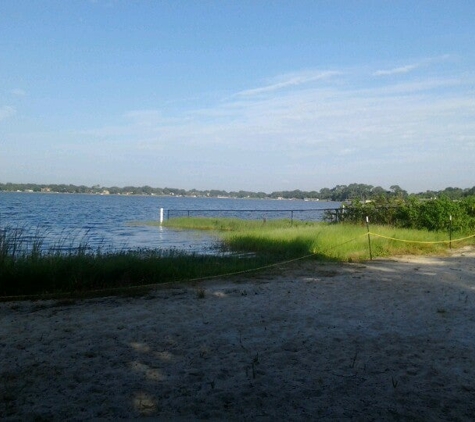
(442, 311)
(200, 293)
(394, 382)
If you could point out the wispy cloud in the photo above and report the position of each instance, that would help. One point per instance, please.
(397, 70)
(411, 67)
(289, 80)
(6, 112)
(314, 125)
(348, 116)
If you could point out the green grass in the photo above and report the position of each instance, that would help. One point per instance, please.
(83, 272)
(342, 242)
(26, 270)
(228, 224)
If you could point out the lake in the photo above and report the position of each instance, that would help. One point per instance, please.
(109, 221)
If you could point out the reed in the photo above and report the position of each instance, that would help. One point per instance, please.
(26, 269)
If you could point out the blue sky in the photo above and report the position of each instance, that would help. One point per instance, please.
(252, 95)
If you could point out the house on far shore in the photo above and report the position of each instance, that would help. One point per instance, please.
(45, 189)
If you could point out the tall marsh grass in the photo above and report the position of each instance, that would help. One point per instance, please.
(26, 268)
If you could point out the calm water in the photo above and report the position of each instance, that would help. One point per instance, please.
(108, 221)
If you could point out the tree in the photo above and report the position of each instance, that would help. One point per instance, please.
(397, 191)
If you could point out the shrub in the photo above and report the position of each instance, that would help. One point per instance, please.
(434, 214)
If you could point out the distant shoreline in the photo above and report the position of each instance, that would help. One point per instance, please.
(340, 193)
(166, 196)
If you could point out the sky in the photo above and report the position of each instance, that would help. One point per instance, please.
(254, 95)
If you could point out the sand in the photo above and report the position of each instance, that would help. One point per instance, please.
(380, 341)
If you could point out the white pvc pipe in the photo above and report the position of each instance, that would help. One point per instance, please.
(161, 215)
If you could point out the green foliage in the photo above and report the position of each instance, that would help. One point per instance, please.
(433, 214)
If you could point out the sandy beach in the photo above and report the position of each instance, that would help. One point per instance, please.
(385, 340)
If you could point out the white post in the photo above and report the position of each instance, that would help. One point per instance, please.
(161, 215)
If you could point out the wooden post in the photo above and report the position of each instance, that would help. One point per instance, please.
(450, 232)
(369, 239)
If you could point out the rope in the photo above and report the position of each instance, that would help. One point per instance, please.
(420, 241)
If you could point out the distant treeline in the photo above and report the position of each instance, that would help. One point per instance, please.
(353, 191)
